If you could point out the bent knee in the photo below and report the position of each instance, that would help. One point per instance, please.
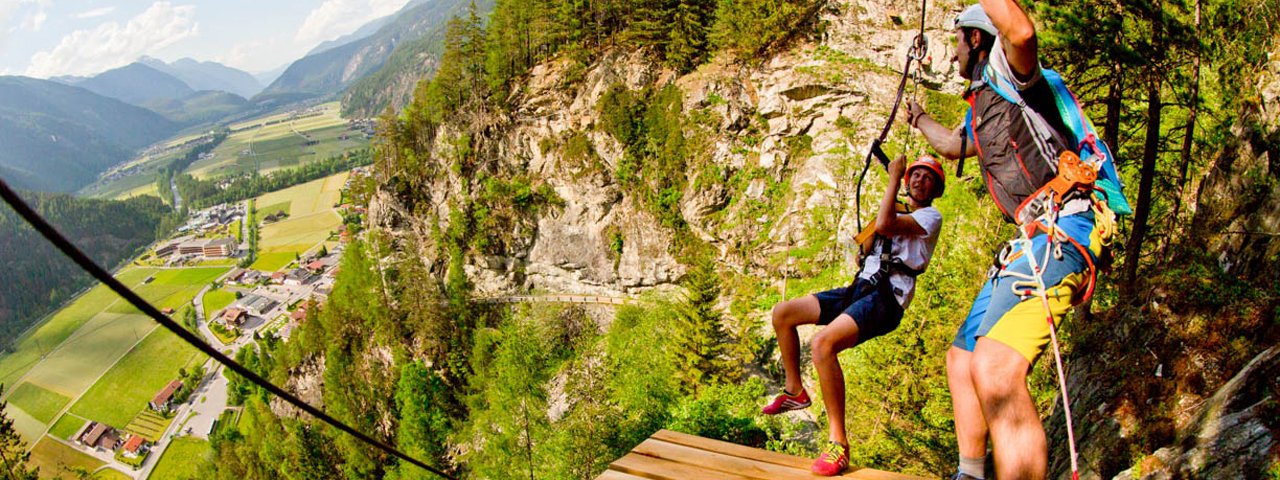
(823, 347)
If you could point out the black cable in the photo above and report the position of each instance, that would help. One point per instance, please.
(105, 277)
(918, 47)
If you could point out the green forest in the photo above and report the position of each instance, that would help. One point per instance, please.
(406, 352)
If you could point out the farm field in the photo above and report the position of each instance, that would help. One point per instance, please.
(61, 325)
(27, 426)
(272, 261)
(215, 300)
(182, 457)
(312, 218)
(172, 288)
(256, 146)
(149, 425)
(38, 402)
(125, 390)
(110, 474)
(67, 426)
(79, 361)
(53, 458)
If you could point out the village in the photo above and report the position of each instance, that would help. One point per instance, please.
(232, 312)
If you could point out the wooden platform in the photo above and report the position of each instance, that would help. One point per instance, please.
(669, 455)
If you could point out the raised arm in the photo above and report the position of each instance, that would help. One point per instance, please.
(1017, 34)
(944, 140)
(888, 222)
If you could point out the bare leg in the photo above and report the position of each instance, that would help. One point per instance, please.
(786, 316)
(841, 334)
(971, 426)
(1017, 437)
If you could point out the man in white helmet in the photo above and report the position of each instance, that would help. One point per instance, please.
(1015, 131)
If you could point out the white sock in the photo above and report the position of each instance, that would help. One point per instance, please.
(974, 467)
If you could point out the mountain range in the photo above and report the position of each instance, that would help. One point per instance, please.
(60, 133)
(330, 70)
(208, 75)
(58, 137)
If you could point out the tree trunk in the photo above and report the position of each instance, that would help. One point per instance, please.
(1115, 97)
(1187, 139)
(1150, 151)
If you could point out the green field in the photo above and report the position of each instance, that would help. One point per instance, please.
(172, 288)
(110, 474)
(149, 425)
(26, 425)
(62, 325)
(182, 458)
(188, 276)
(41, 404)
(54, 459)
(67, 426)
(313, 219)
(125, 390)
(79, 361)
(311, 197)
(215, 300)
(267, 211)
(255, 146)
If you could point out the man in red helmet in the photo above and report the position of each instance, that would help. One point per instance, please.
(897, 248)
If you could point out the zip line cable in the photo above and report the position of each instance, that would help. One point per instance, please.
(919, 48)
(87, 264)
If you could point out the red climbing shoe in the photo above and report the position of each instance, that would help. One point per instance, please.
(787, 403)
(833, 460)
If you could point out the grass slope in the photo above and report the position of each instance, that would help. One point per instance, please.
(125, 390)
(26, 425)
(67, 426)
(215, 300)
(40, 403)
(85, 356)
(53, 458)
(61, 326)
(182, 458)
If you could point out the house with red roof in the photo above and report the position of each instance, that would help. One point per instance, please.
(163, 401)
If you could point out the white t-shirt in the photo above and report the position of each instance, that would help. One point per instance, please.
(914, 251)
(999, 61)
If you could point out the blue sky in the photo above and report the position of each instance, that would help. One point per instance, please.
(43, 38)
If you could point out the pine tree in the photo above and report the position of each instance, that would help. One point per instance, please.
(424, 426)
(698, 337)
(13, 452)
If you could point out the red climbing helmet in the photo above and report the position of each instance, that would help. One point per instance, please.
(926, 161)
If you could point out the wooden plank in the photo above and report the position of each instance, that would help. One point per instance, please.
(715, 461)
(733, 449)
(658, 469)
(616, 475)
(770, 457)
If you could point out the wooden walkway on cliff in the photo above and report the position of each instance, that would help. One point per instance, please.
(669, 455)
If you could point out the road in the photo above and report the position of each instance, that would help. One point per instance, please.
(177, 200)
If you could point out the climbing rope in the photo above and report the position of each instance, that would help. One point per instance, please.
(1034, 284)
(87, 264)
(918, 51)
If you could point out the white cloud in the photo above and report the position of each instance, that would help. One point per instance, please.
(95, 13)
(110, 45)
(34, 21)
(31, 12)
(335, 18)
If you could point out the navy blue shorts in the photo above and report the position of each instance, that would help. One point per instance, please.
(875, 314)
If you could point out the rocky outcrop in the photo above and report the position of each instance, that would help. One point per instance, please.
(797, 120)
(1234, 434)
